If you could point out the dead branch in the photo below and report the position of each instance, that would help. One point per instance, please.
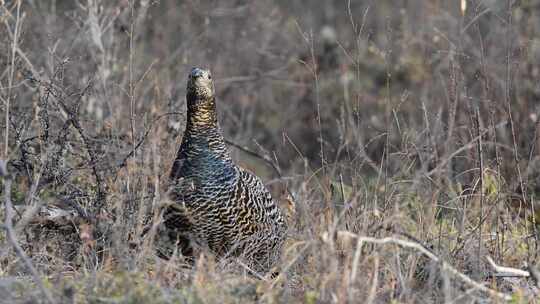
(73, 119)
(503, 271)
(419, 247)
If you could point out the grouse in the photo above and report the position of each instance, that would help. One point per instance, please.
(216, 204)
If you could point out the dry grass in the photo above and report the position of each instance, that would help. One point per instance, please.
(399, 136)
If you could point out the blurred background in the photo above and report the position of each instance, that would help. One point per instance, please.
(318, 83)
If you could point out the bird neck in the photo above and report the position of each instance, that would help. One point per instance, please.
(201, 114)
(202, 130)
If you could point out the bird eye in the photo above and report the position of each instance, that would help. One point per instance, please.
(209, 76)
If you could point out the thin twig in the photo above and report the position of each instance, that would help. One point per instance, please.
(124, 160)
(11, 77)
(471, 144)
(73, 119)
(508, 90)
(481, 180)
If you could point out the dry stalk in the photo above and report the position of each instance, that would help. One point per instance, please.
(481, 180)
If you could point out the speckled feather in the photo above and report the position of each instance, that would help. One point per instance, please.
(219, 205)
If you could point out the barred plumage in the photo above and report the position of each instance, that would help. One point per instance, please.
(217, 204)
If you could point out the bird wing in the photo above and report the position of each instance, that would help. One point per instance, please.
(260, 197)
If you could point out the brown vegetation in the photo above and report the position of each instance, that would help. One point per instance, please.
(400, 137)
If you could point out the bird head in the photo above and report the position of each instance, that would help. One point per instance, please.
(200, 86)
